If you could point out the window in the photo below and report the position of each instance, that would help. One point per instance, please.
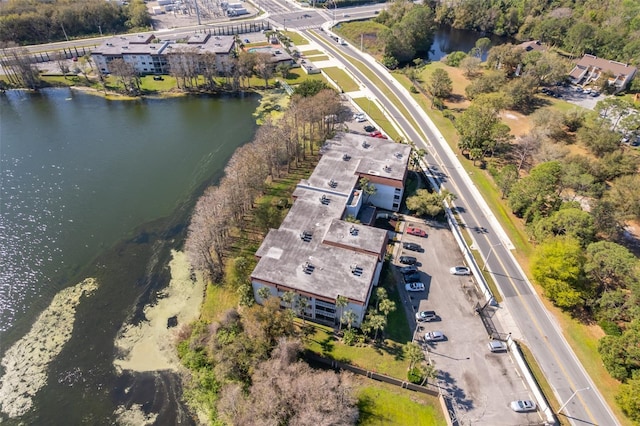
(398, 190)
(396, 197)
(396, 205)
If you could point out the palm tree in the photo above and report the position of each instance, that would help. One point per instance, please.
(367, 188)
(377, 323)
(387, 306)
(348, 318)
(288, 298)
(264, 293)
(381, 294)
(428, 371)
(303, 304)
(341, 302)
(414, 353)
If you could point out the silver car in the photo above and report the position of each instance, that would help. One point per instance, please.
(522, 406)
(497, 346)
(434, 336)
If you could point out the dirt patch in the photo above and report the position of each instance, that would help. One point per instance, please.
(517, 122)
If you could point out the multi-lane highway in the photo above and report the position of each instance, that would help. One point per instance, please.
(540, 331)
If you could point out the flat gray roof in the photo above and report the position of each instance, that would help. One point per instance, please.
(316, 252)
(144, 45)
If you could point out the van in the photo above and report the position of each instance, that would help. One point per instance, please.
(408, 260)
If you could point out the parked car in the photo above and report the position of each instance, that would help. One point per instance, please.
(523, 405)
(408, 269)
(408, 260)
(423, 316)
(375, 133)
(412, 246)
(460, 270)
(369, 128)
(418, 286)
(412, 230)
(497, 346)
(434, 336)
(413, 277)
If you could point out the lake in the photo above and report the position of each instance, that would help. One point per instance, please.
(97, 188)
(447, 40)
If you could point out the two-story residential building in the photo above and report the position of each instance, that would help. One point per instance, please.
(316, 253)
(591, 69)
(148, 55)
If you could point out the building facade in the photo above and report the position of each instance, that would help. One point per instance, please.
(591, 69)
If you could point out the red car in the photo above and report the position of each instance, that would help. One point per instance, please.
(415, 231)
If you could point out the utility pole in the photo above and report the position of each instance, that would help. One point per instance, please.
(361, 42)
(571, 397)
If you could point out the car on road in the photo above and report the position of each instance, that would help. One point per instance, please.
(460, 270)
(412, 246)
(417, 286)
(434, 336)
(497, 346)
(425, 316)
(408, 269)
(369, 128)
(412, 230)
(246, 40)
(408, 260)
(413, 277)
(523, 405)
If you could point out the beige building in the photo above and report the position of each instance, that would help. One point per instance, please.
(590, 69)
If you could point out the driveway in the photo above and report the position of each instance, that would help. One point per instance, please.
(481, 383)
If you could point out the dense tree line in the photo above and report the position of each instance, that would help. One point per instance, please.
(27, 22)
(609, 29)
(274, 150)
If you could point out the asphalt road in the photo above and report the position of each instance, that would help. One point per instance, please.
(564, 372)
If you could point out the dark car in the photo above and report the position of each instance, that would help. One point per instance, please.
(369, 128)
(408, 260)
(412, 246)
(411, 278)
(408, 269)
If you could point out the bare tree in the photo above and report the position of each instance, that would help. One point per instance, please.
(62, 63)
(20, 69)
(263, 67)
(526, 147)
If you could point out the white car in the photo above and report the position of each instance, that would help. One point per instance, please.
(417, 286)
(497, 346)
(434, 336)
(522, 406)
(460, 270)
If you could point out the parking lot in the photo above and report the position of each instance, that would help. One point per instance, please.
(481, 383)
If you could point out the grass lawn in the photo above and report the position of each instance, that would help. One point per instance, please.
(312, 52)
(318, 58)
(362, 31)
(343, 79)
(296, 38)
(384, 404)
(376, 115)
(297, 76)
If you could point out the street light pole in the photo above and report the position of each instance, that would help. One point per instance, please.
(571, 397)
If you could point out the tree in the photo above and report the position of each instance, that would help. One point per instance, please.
(302, 305)
(264, 67)
(569, 221)
(440, 84)
(611, 266)
(266, 216)
(483, 44)
(283, 69)
(621, 354)
(525, 148)
(454, 59)
(628, 397)
(264, 293)
(506, 178)
(367, 188)
(612, 109)
(341, 303)
(557, 266)
(470, 65)
(386, 307)
(537, 194)
(310, 88)
(348, 318)
(376, 323)
(429, 203)
(63, 64)
(479, 127)
(414, 353)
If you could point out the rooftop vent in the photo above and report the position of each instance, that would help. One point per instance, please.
(387, 168)
(308, 268)
(356, 270)
(332, 183)
(324, 200)
(353, 230)
(398, 154)
(306, 236)
(346, 157)
(365, 144)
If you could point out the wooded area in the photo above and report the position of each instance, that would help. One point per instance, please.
(29, 22)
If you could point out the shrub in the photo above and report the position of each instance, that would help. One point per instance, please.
(610, 328)
(350, 337)
(414, 376)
